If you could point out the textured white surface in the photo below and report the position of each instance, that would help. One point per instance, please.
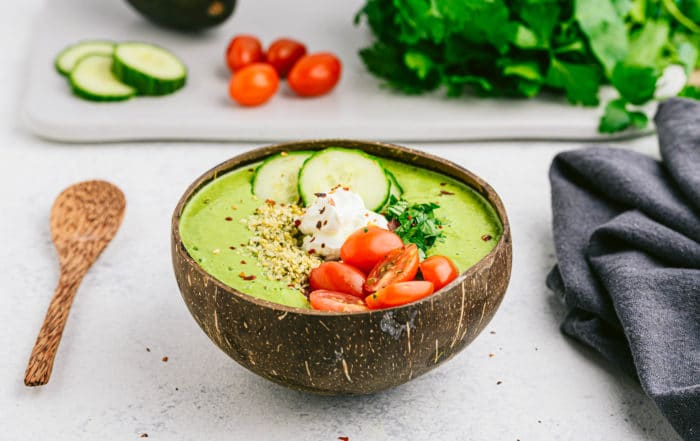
(106, 385)
(358, 108)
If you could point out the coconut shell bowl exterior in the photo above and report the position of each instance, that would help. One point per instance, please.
(345, 353)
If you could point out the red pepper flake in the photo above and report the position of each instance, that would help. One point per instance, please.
(439, 227)
(165, 359)
(319, 224)
(231, 247)
(346, 188)
(322, 210)
(243, 262)
(332, 202)
(312, 251)
(410, 217)
(270, 202)
(244, 277)
(228, 218)
(297, 222)
(445, 193)
(442, 184)
(486, 237)
(325, 222)
(320, 195)
(343, 438)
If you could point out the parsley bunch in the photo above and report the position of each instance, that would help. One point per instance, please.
(520, 48)
(416, 223)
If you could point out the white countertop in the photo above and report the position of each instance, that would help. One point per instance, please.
(107, 386)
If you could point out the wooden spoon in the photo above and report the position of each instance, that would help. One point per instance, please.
(84, 219)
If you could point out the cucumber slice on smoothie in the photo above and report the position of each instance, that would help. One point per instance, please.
(277, 177)
(396, 189)
(92, 79)
(355, 169)
(68, 57)
(150, 69)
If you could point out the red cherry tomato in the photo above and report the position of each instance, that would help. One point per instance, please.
(337, 276)
(283, 54)
(325, 300)
(399, 294)
(315, 74)
(439, 269)
(243, 51)
(400, 265)
(367, 246)
(254, 84)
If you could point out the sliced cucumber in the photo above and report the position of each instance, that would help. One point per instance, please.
(396, 189)
(277, 177)
(355, 169)
(92, 78)
(68, 57)
(150, 69)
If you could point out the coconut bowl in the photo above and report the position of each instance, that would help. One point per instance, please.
(345, 353)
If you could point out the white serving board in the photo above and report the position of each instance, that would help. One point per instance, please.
(357, 108)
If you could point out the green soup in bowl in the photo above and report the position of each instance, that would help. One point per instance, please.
(267, 325)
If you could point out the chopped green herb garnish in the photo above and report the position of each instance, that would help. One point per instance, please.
(416, 223)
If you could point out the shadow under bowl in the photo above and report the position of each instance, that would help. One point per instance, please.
(345, 353)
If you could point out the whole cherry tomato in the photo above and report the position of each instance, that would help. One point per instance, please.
(439, 269)
(254, 84)
(325, 300)
(283, 54)
(315, 74)
(242, 51)
(399, 294)
(400, 265)
(367, 246)
(337, 276)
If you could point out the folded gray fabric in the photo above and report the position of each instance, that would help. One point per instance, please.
(627, 239)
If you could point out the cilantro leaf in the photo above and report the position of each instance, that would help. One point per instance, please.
(416, 223)
(617, 117)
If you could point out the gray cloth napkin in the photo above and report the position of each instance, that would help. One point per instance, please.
(627, 240)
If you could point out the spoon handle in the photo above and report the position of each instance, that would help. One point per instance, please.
(41, 361)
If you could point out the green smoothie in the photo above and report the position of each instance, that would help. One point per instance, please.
(214, 230)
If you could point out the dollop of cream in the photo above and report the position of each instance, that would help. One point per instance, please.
(331, 218)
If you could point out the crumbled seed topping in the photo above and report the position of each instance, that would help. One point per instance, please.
(277, 244)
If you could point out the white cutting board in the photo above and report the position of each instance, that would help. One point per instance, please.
(357, 108)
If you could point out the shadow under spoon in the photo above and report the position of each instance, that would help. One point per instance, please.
(84, 219)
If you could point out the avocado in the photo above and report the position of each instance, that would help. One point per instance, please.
(190, 15)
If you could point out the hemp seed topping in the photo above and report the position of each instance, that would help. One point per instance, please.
(276, 243)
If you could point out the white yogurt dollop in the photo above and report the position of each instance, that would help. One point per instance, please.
(331, 218)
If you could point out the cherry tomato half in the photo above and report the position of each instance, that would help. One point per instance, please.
(337, 276)
(439, 269)
(367, 246)
(315, 74)
(254, 84)
(283, 54)
(399, 294)
(325, 300)
(400, 265)
(243, 51)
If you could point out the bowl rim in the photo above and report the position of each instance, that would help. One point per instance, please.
(260, 153)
